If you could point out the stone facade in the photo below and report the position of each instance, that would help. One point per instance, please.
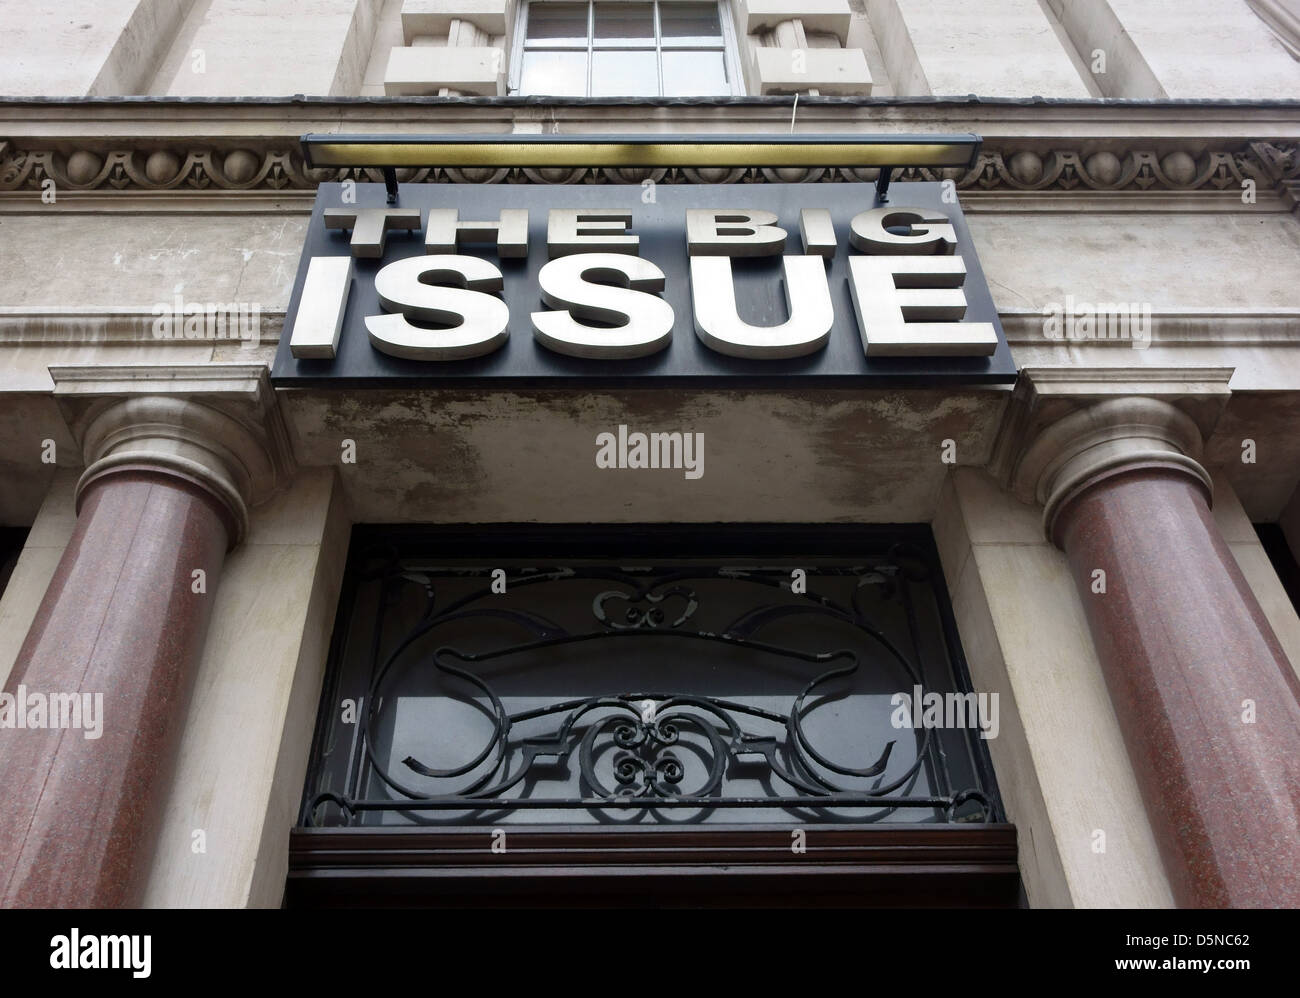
(1180, 200)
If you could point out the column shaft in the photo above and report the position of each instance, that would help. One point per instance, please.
(1207, 700)
(120, 618)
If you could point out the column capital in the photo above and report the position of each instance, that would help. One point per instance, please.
(215, 426)
(1103, 439)
(1068, 427)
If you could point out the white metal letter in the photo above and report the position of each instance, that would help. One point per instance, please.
(733, 232)
(807, 295)
(909, 306)
(324, 299)
(478, 320)
(589, 230)
(443, 232)
(931, 231)
(643, 322)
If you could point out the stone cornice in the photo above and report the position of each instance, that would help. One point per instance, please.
(990, 117)
(116, 325)
(1055, 148)
(233, 167)
(112, 325)
(1168, 328)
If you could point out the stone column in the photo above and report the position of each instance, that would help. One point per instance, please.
(1206, 698)
(117, 638)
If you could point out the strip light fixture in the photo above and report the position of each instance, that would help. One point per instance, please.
(885, 152)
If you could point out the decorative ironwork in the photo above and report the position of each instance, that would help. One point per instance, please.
(633, 754)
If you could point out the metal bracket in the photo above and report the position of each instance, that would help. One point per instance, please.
(882, 184)
(390, 182)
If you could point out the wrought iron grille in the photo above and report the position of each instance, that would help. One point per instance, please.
(635, 689)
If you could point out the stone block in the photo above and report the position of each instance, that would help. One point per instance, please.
(829, 71)
(434, 17)
(424, 70)
(830, 16)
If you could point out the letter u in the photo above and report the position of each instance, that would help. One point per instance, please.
(808, 300)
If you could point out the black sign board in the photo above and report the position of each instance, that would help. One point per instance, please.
(658, 218)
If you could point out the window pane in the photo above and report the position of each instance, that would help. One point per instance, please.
(695, 74)
(690, 24)
(625, 24)
(559, 74)
(624, 74)
(554, 24)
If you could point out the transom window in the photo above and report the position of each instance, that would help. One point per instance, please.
(603, 691)
(610, 48)
(653, 719)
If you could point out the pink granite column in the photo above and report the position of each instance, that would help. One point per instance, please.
(1206, 698)
(121, 619)
(123, 622)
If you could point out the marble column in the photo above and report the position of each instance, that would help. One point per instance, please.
(121, 627)
(1206, 698)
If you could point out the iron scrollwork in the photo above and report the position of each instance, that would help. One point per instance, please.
(658, 753)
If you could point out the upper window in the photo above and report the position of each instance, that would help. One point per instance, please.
(610, 48)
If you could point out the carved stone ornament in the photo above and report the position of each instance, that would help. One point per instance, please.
(152, 165)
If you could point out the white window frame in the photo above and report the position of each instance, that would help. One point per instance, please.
(730, 46)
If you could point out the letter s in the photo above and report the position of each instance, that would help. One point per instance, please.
(455, 293)
(643, 323)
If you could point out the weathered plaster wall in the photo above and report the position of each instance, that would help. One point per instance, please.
(797, 455)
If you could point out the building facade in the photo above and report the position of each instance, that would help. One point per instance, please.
(212, 573)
